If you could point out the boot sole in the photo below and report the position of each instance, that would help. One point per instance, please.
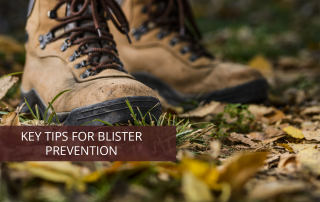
(114, 111)
(251, 92)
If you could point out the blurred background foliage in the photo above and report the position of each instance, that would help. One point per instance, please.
(233, 30)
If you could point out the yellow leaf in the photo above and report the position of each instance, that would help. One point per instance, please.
(294, 132)
(263, 65)
(286, 146)
(309, 159)
(59, 172)
(195, 189)
(239, 169)
(203, 171)
(10, 119)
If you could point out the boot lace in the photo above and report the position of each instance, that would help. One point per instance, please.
(171, 16)
(102, 10)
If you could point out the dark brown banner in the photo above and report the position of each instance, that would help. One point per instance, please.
(87, 143)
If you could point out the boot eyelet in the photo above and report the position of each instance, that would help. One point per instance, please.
(78, 66)
(161, 35)
(48, 37)
(139, 31)
(65, 45)
(52, 14)
(41, 38)
(144, 9)
(193, 58)
(75, 55)
(184, 50)
(174, 41)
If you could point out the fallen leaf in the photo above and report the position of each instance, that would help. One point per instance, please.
(257, 136)
(311, 110)
(259, 111)
(288, 162)
(272, 139)
(277, 116)
(263, 65)
(215, 147)
(269, 190)
(311, 135)
(308, 159)
(245, 140)
(10, 119)
(286, 146)
(294, 132)
(273, 132)
(168, 107)
(203, 171)
(63, 172)
(5, 84)
(195, 189)
(201, 112)
(240, 168)
(299, 147)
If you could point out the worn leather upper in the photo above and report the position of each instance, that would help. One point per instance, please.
(49, 71)
(164, 61)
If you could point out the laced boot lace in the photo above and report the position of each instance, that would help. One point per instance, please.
(99, 12)
(171, 16)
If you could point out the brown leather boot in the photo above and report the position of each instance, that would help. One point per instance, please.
(69, 46)
(167, 56)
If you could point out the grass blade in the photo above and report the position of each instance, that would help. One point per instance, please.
(11, 74)
(30, 109)
(54, 99)
(58, 122)
(37, 112)
(3, 106)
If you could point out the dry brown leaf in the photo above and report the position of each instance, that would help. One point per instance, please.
(245, 140)
(308, 159)
(277, 116)
(288, 162)
(269, 190)
(272, 139)
(259, 111)
(240, 168)
(5, 84)
(168, 107)
(311, 110)
(294, 132)
(201, 112)
(10, 119)
(257, 136)
(273, 132)
(311, 135)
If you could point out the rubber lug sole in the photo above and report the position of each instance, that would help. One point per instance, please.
(114, 111)
(251, 92)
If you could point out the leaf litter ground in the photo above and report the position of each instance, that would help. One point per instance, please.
(226, 152)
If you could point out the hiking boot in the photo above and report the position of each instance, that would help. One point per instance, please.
(69, 46)
(167, 56)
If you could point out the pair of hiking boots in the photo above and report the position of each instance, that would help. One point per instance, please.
(70, 46)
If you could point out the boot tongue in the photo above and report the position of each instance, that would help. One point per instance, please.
(87, 23)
